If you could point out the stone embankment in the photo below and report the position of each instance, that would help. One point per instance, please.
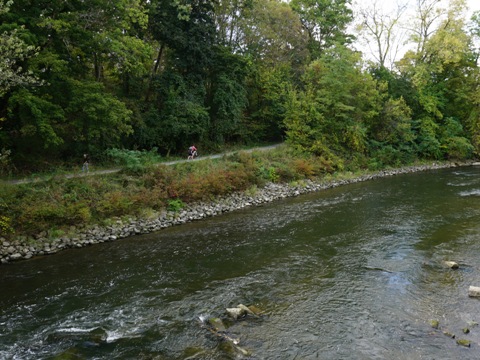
(23, 248)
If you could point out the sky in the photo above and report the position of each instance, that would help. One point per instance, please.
(474, 5)
(390, 5)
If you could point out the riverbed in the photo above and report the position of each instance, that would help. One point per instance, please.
(352, 272)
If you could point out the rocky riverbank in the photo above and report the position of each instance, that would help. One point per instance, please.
(23, 248)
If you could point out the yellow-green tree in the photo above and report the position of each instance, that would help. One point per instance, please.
(334, 112)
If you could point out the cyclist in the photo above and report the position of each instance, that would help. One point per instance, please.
(192, 152)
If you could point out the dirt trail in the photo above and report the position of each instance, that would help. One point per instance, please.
(115, 170)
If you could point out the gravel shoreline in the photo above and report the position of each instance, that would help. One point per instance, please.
(23, 248)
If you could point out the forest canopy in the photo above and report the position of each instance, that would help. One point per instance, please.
(89, 76)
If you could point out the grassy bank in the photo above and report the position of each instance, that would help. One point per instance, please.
(52, 207)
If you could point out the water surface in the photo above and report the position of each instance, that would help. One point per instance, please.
(354, 272)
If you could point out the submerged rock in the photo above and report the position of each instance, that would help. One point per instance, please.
(216, 324)
(463, 342)
(240, 311)
(231, 349)
(435, 324)
(452, 264)
(449, 334)
(474, 291)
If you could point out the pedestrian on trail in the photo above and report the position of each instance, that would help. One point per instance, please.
(192, 152)
(86, 161)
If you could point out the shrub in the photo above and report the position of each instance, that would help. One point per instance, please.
(114, 203)
(304, 168)
(175, 205)
(268, 173)
(458, 148)
(133, 161)
(5, 225)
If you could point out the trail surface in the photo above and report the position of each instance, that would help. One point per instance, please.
(115, 170)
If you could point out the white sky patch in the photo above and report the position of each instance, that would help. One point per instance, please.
(389, 6)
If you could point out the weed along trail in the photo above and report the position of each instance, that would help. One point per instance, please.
(118, 169)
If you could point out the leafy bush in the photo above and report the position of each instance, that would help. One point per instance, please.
(5, 225)
(458, 148)
(134, 161)
(268, 173)
(114, 203)
(175, 205)
(304, 168)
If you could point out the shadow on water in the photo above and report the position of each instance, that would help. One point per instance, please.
(355, 272)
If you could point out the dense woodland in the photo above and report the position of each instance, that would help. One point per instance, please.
(82, 76)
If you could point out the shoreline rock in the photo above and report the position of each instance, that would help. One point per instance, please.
(23, 249)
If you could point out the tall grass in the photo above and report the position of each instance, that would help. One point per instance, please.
(59, 203)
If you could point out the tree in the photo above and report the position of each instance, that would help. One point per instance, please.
(85, 51)
(382, 32)
(325, 21)
(273, 34)
(441, 74)
(229, 21)
(429, 13)
(226, 96)
(338, 105)
(13, 53)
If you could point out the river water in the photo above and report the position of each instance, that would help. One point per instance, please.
(354, 272)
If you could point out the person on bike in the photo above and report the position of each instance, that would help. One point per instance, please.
(192, 152)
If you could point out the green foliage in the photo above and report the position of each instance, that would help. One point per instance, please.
(394, 123)
(5, 226)
(325, 21)
(428, 144)
(38, 119)
(88, 77)
(384, 155)
(272, 35)
(114, 203)
(97, 119)
(134, 161)
(179, 118)
(338, 104)
(267, 102)
(175, 205)
(13, 52)
(268, 173)
(226, 95)
(454, 145)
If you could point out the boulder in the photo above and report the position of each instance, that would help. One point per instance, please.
(235, 313)
(16, 256)
(474, 291)
(452, 264)
(240, 311)
(463, 342)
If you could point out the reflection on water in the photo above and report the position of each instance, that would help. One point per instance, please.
(350, 273)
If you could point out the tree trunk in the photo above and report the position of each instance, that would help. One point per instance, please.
(154, 72)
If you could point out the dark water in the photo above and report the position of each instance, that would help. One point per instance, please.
(354, 272)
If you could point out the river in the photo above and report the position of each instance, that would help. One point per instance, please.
(353, 272)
